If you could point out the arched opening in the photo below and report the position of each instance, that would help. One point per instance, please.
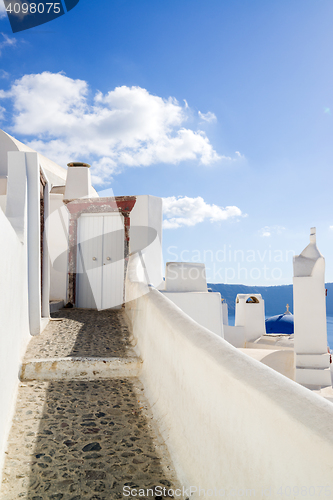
(252, 300)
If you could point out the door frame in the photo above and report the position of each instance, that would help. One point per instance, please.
(122, 204)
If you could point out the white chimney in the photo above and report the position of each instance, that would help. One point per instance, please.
(312, 359)
(78, 182)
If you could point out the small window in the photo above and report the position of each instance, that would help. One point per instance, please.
(252, 300)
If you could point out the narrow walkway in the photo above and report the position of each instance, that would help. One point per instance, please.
(83, 439)
(82, 332)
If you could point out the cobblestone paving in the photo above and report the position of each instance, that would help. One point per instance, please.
(82, 441)
(82, 332)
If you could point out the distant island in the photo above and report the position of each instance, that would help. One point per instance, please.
(275, 297)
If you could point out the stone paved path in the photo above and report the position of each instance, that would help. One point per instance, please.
(82, 332)
(83, 440)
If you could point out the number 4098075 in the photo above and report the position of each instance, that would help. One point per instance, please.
(33, 8)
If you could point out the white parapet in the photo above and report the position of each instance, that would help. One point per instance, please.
(312, 360)
(185, 277)
(186, 286)
(228, 420)
(204, 307)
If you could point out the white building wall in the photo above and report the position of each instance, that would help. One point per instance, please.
(225, 313)
(232, 421)
(58, 247)
(147, 212)
(14, 331)
(33, 242)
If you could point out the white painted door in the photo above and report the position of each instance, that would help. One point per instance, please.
(113, 261)
(100, 278)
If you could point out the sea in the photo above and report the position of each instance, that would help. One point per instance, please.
(329, 320)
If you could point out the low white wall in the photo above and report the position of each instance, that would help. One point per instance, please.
(204, 307)
(14, 329)
(229, 421)
(235, 335)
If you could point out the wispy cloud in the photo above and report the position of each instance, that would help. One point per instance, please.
(126, 127)
(207, 117)
(184, 211)
(268, 231)
(6, 42)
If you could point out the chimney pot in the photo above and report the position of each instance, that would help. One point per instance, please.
(78, 164)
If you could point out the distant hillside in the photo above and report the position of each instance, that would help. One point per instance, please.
(275, 297)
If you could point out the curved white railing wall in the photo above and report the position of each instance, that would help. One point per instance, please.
(230, 422)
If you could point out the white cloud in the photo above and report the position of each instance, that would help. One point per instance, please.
(7, 41)
(267, 231)
(127, 126)
(207, 117)
(3, 12)
(184, 211)
(331, 228)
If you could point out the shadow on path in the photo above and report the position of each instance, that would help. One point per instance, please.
(80, 441)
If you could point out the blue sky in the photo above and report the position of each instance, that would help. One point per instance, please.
(209, 104)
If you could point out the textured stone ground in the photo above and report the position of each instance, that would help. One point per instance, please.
(83, 440)
(82, 332)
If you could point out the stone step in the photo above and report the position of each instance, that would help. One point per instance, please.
(56, 305)
(80, 368)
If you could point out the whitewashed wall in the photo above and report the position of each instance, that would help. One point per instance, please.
(58, 247)
(229, 421)
(147, 212)
(14, 332)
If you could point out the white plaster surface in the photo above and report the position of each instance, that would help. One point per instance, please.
(17, 197)
(281, 361)
(204, 307)
(235, 335)
(147, 213)
(273, 341)
(78, 184)
(225, 313)
(46, 257)
(310, 328)
(58, 247)
(14, 333)
(185, 277)
(229, 421)
(55, 173)
(33, 241)
(251, 316)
